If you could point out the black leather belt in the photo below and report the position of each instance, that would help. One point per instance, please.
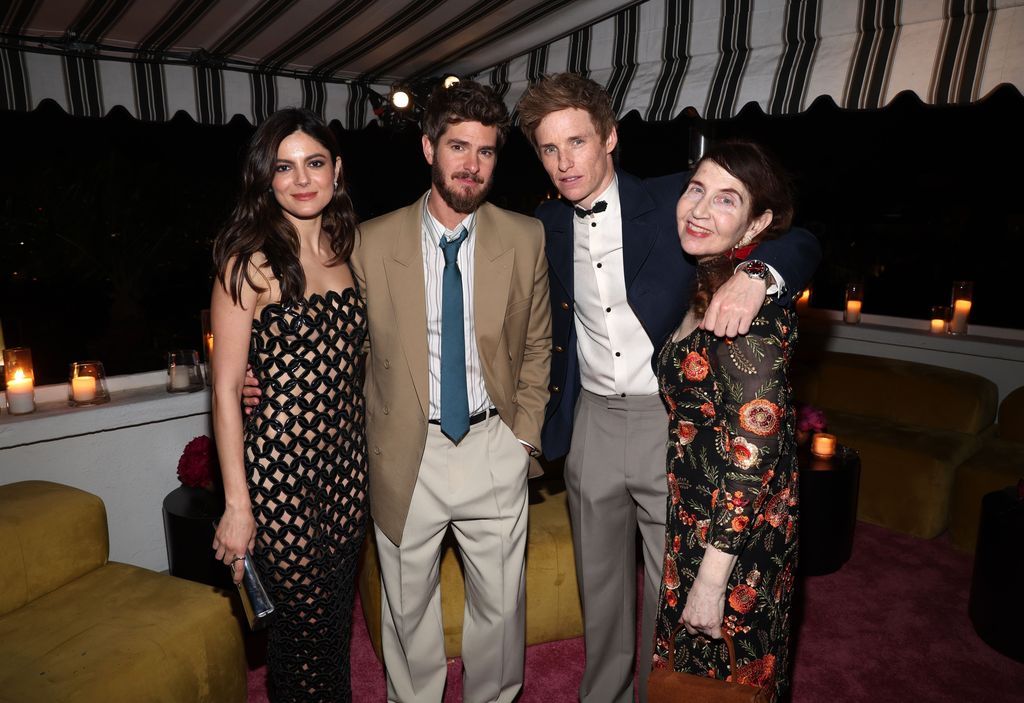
(473, 419)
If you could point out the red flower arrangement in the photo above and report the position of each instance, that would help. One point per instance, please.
(810, 418)
(198, 463)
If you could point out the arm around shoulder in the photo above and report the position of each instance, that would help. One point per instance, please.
(795, 255)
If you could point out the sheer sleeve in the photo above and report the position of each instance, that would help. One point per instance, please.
(752, 387)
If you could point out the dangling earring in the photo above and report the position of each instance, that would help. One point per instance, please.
(335, 184)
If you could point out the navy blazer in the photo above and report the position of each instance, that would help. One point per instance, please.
(659, 281)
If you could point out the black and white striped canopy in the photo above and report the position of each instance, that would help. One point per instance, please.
(214, 59)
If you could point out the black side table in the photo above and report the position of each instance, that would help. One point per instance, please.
(188, 527)
(998, 615)
(828, 509)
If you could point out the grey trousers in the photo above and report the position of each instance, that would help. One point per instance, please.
(615, 478)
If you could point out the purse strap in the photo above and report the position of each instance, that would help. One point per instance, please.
(725, 636)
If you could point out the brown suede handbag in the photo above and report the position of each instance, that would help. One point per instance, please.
(668, 686)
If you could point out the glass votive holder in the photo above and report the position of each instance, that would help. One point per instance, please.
(204, 320)
(803, 300)
(20, 379)
(823, 445)
(183, 372)
(960, 301)
(939, 319)
(87, 383)
(854, 301)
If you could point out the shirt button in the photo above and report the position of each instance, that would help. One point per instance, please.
(376, 450)
(616, 354)
(565, 306)
(593, 224)
(554, 389)
(607, 309)
(387, 410)
(623, 395)
(387, 364)
(599, 265)
(559, 349)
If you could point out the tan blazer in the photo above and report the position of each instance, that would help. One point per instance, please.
(513, 331)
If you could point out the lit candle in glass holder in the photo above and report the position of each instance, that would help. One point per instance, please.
(940, 314)
(183, 375)
(803, 301)
(204, 319)
(854, 300)
(87, 383)
(21, 395)
(963, 292)
(823, 445)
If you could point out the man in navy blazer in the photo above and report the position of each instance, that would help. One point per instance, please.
(619, 286)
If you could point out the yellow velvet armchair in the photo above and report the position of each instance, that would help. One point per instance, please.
(913, 425)
(998, 463)
(75, 627)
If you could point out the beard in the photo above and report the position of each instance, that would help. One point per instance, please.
(456, 198)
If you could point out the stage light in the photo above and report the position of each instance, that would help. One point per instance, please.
(450, 80)
(400, 98)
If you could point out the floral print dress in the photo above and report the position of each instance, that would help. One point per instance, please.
(732, 478)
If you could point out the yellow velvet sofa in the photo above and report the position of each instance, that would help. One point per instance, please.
(913, 425)
(77, 628)
(998, 463)
(552, 600)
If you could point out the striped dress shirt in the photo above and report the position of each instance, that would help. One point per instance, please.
(433, 268)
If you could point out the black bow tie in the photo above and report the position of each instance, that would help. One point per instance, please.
(599, 206)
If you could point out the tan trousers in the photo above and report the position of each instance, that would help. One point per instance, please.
(479, 489)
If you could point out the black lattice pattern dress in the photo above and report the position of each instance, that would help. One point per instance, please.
(733, 484)
(305, 454)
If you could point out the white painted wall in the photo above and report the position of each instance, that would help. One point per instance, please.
(126, 452)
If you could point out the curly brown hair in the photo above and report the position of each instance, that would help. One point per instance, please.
(564, 91)
(465, 101)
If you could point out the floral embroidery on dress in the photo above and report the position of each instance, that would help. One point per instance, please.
(732, 480)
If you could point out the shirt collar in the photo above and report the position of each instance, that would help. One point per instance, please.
(435, 230)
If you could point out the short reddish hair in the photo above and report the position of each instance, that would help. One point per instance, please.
(564, 91)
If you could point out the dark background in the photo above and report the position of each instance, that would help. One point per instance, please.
(106, 224)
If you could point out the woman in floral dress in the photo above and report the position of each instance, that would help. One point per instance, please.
(730, 547)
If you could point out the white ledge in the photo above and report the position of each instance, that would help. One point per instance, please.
(135, 400)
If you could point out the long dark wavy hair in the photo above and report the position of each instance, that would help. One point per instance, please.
(258, 223)
(769, 189)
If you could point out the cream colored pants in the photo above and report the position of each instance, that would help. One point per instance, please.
(478, 488)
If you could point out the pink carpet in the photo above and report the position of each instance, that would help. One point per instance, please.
(891, 625)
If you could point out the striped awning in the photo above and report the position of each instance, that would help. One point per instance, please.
(661, 57)
(215, 59)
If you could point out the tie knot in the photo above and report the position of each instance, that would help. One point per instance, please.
(599, 206)
(450, 247)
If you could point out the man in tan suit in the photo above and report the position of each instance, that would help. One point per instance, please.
(455, 403)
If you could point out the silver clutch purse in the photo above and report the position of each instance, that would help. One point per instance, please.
(258, 606)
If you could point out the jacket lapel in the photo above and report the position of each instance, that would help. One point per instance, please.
(493, 261)
(404, 271)
(559, 247)
(639, 224)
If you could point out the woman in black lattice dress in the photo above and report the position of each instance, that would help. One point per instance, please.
(294, 473)
(730, 544)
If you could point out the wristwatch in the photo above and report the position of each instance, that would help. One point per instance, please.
(759, 270)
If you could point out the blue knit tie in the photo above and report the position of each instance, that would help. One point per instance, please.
(454, 398)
